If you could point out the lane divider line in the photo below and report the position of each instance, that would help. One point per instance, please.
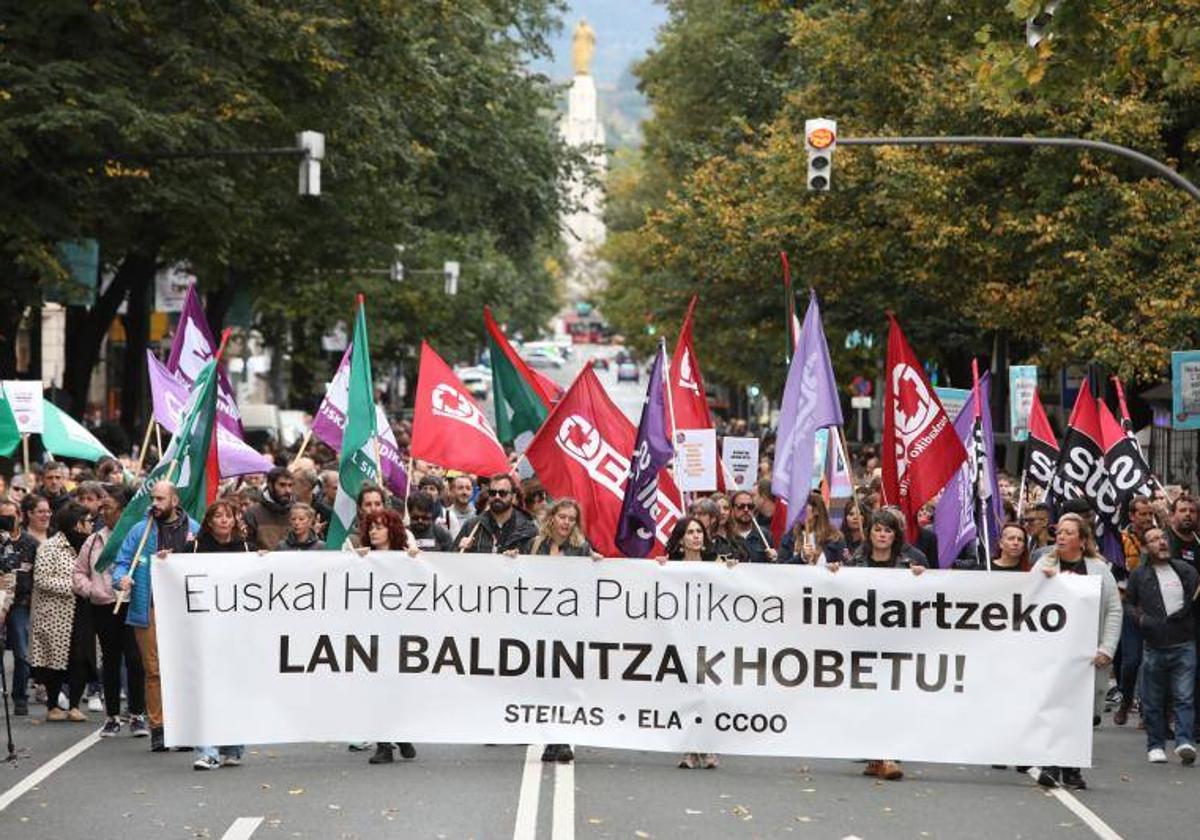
(1098, 826)
(525, 827)
(242, 828)
(42, 773)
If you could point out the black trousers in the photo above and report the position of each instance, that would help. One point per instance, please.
(118, 645)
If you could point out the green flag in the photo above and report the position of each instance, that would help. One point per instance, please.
(521, 402)
(10, 436)
(358, 463)
(189, 463)
(64, 437)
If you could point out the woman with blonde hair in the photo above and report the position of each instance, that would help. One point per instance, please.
(814, 541)
(560, 532)
(1075, 552)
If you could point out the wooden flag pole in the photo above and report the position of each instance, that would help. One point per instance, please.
(303, 446)
(25, 451)
(145, 443)
(471, 536)
(158, 439)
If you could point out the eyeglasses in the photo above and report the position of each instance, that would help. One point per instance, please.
(745, 506)
(503, 494)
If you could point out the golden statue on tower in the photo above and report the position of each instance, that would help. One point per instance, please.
(583, 47)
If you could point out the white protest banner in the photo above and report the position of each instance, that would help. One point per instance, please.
(765, 660)
(1022, 385)
(25, 400)
(741, 460)
(696, 460)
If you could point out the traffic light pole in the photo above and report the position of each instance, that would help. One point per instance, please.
(1158, 167)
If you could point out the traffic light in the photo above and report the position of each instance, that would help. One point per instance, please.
(312, 143)
(820, 140)
(1037, 27)
(450, 270)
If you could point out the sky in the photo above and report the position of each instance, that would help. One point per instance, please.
(624, 31)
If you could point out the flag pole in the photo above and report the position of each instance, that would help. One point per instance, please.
(790, 308)
(158, 438)
(25, 450)
(407, 481)
(984, 536)
(137, 554)
(145, 443)
(303, 446)
(1021, 494)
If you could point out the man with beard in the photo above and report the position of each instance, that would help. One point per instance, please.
(1185, 545)
(267, 521)
(169, 528)
(431, 536)
(750, 532)
(501, 527)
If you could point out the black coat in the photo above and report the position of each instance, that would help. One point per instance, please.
(489, 538)
(1143, 597)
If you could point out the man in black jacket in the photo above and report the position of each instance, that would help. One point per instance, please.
(1161, 595)
(501, 527)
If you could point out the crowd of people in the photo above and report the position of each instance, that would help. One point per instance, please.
(74, 655)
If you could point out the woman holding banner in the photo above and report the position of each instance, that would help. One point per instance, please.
(1075, 552)
(819, 543)
(383, 530)
(689, 541)
(885, 548)
(220, 532)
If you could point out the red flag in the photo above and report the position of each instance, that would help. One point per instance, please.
(582, 451)
(921, 449)
(779, 520)
(448, 428)
(1043, 446)
(688, 405)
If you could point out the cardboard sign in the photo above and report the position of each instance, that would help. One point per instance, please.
(696, 460)
(25, 399)
(740, 455)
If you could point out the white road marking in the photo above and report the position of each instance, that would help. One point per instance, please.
(562, 826)
(531, 786)
(242, 828)
(1098, 826)
(39, 775)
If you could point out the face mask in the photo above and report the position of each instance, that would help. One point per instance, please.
(76, 539)
(7, 523)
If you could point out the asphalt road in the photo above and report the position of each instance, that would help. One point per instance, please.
(116, 788)
(67, 783)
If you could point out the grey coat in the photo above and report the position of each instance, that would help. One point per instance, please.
(1109, 631)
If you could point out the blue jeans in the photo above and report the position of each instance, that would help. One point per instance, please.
(1169, 671)
(217, 752)
(1131, 658)
(16, 628)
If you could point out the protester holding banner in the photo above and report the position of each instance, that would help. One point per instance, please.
(1075, 552)
(1160, 599)
(743, 527)
(169, 529)
(885, 546)
(60, 623)
(219, 533)
(384, 530)
(118, 644)
(500, 528)
(561, 532)
(818, 541)
(302, 530)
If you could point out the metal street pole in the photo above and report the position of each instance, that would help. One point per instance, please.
(1159, 168)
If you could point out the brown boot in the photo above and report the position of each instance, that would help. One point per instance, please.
(872, 768)
(890, 770)
(1121, 715)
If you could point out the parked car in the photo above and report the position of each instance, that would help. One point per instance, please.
(477, 380)
(542, 357)
(627, 371)
(599, 363)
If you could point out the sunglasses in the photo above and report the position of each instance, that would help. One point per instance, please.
(503, 494)
(744, 506)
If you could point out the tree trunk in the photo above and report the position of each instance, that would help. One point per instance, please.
(86, 327)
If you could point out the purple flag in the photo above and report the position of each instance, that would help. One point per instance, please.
(170, 395)
(330, 422)
(191, 349)
(652, 452)
(810, 403)
(954, 519)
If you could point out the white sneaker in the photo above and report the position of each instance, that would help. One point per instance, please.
(95, 703)
(1186, 753)
(63, 702)
(1157, 756)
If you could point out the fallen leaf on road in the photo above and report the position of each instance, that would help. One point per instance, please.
(595, 821)
(643, 835)
(743, 812)
(887, 809)
(335, 807)
(1125, 778)
(691, 812)
(804, 819)
(809, 790)
(296, 791)
(265, 786)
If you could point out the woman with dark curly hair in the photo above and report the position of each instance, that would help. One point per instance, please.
(383, 530)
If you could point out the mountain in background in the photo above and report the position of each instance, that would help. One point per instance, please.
(625, 31)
